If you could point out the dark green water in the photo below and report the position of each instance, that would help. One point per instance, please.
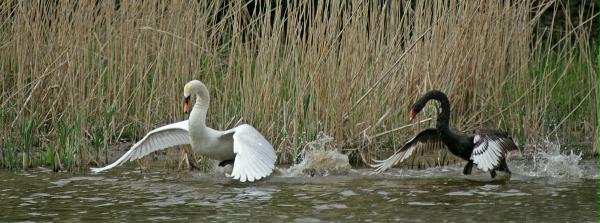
(433, 195)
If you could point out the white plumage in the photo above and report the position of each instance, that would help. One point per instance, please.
(254, 153)
(254, 157)
(488, 152)
(157, 139)
(400, 156)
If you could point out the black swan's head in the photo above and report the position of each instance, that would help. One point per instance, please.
(418, 106)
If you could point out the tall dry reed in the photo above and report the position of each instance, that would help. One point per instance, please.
(291, 69)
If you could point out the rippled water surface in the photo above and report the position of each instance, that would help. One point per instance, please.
(432, 195)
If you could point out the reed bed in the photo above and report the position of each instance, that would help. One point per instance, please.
(77, 77)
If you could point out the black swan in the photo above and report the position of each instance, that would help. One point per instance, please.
(487, 148)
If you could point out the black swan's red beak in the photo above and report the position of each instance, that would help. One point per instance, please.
(412, 115)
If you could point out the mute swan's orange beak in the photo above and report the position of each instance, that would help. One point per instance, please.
(186, 105)
(412, 115)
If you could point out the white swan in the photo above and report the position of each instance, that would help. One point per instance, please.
(252, 155)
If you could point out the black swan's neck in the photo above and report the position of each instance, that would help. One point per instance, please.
(457, 143)
(443, 119)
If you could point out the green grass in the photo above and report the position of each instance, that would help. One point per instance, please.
(10, 156)
(27, 133)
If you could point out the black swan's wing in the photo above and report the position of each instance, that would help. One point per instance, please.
(491, 147)
(425, 149)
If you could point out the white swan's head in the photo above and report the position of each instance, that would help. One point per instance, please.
(194, 88)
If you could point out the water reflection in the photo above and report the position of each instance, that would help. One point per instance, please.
(397, 195)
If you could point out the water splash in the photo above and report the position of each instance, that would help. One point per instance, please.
(548, 161)
(321, 158)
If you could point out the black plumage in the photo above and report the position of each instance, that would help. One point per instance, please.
(486, 148)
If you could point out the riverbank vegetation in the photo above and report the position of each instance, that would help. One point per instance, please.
(78, 77)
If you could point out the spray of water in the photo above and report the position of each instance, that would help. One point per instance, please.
(548, 161)
(320, 158)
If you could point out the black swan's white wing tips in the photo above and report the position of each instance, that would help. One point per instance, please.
(490, 150)
(255, 157)
(401, 155)
(426, 141)
(157, 139)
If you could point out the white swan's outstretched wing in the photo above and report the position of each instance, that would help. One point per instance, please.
(255, 156)
(157, 139)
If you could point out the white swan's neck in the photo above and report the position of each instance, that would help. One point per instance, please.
(197, 118)
(205, 140)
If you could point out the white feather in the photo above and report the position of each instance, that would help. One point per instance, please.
(399, 156)
(157, 139)
(487, 153)
(255, 157)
